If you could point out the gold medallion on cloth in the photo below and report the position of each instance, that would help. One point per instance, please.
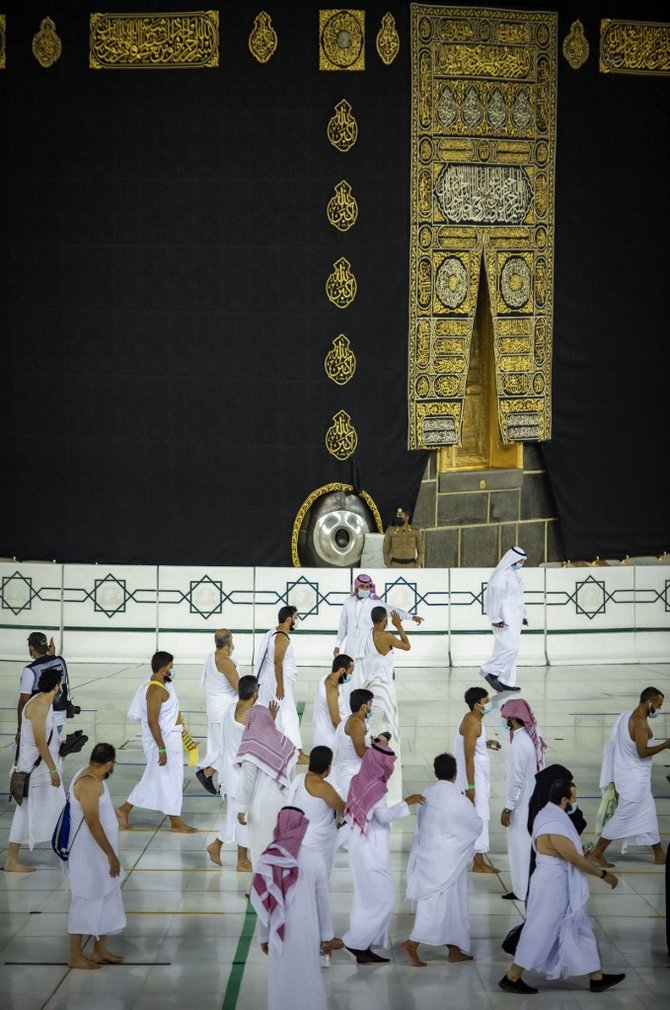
(341, 286)
(263, 38)
(3, 36)
(341, 437)
(576, 46)
(340, 362)
(46, 44)
(482, 210)
(342, 208)
(342, 129)
(388, 40)
(341, 40)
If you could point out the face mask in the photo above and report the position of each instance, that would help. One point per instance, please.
(506, 725)
(370, 713)
(487, 708)
(363, 594)
(110, 772)
(654, 713)
(169, 677)
(517, 565)
(345, 678)
(570, 809)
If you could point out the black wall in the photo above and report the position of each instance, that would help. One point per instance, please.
(164, 322)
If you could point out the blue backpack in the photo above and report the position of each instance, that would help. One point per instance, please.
(60, 840)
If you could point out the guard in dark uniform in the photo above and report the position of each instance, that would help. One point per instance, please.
(403, 543)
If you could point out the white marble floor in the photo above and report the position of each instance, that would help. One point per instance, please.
(189, 937)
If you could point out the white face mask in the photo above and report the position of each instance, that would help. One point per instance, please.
(363, 594)
(654, 712)
(517, 565)
(487, 707)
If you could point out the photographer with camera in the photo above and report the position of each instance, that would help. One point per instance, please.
(44, 658)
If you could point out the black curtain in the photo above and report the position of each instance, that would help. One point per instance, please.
(166, 252)
(607, 460)
(164, 255)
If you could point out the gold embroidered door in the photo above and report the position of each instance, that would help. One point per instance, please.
(482, 446)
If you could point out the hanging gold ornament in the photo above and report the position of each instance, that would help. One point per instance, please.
(46, 44)
(340, 362)
(341, 437)
(388, 40)
(341, 286)
(576, 45)
(263, 38)
(342, 209)
(342, 129)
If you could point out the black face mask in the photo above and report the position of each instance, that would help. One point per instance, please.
(107, 774)
(398, 521)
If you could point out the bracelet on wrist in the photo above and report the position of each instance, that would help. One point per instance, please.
(162, 750)
(470, 789)
(53, 771)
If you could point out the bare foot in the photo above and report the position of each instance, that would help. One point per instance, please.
(409, 947)
(83, 962)
(659, 860)
(456, 954)
(182, 828)
(600, 860)
(484, 868)
(244, 866)
(214, 850)
(18, 868)
(124, 823)
(106, 957)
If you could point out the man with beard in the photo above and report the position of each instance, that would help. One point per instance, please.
(93, 868)
(276, 672)
(156, 707)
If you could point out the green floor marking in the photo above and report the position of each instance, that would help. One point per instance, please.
(246, 936)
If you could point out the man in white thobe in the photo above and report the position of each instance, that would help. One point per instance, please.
(220, 680)
(35, 818)
(370, 817)
(156, 707)
(378, 676)
(627, 763)
(321, 804)
(524, 760)
(557, 938)
(93, 868)
(290, 895)
(437, 878)
(277, 673)
(352, 739)
(505, 608)
(265, 762)
(473, 776)
(234, 722)
(356, 622)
